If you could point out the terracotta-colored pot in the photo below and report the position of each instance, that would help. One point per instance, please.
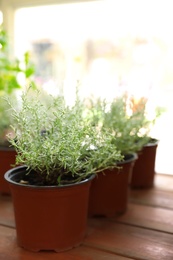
(7, 158)
(49, 218)
(144, 169)
(109, 190)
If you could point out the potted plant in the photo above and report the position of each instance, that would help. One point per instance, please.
(59, 153)
(129, 123)
(144, 169)
(10, 70)
(109, 190)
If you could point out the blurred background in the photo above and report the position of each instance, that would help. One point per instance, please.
(105, 46)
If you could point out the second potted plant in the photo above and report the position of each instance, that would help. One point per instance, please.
(109, 190)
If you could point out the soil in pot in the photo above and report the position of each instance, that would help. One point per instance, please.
(144, 169)
(49, 218)
(109, 190)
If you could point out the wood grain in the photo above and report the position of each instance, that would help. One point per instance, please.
(130, 241)
(143, 232)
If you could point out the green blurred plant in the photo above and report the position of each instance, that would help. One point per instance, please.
(124, 120)
(10, 72)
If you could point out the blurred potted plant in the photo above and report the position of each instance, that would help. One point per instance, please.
(60, 153)
(109, 190)
(144, 169)
(130, 126)
(10, 70)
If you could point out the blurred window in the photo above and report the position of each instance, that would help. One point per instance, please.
(108, 46)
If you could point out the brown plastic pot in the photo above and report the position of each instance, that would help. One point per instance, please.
(109, 190)
(7, 158)
(144, 169)
(49, 218)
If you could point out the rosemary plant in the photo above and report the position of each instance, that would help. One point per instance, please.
(128, 127)
(57, 143)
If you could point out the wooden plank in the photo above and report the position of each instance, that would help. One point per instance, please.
(94, 254)
(6, 211)
(10, 251)
(163, 182)
(137, 243)
(158, 196)
(148, 217)
(152, 197)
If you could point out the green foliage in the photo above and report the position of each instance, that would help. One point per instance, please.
(58, 143)
(5, 119)
(125, 129)
(10, 70)
(127, 124)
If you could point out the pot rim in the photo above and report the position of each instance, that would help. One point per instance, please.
(19, 169)
(6, 148)
(153, 142)
(133, 157)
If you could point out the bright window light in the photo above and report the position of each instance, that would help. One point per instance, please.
(109, 47)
